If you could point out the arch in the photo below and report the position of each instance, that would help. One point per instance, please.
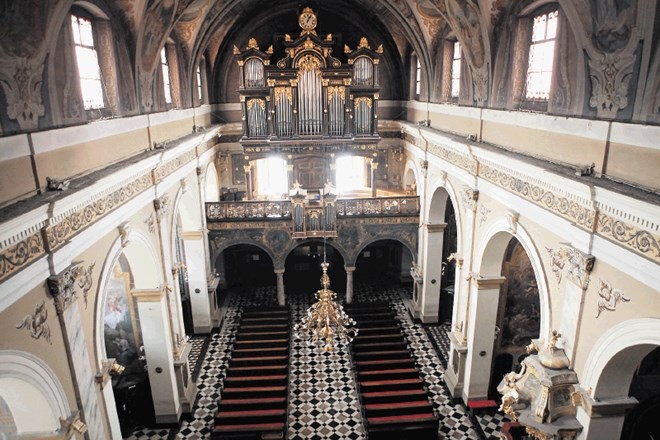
(139, 252)
(411, 175)
(490, 251)
(359, 248)
(616, 355)
(28, 386)
(188, 208)
(333, 245)
(442, 183)
(211, 184)
(228, 244)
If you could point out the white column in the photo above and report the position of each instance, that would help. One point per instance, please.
(484, 298)
(574, 294)
(603, 418)
(193, 245)
(281, 296)
(63, 288)
(156, 335)
(432, 270)
(349, 283)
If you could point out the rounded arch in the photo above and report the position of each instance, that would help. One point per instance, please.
(490, 251)
(617, 354)
(142, 258)
(382, 237)
(211, 184)
(188, 208)
(342, 252)
(437, 206)
(228, 244)
(28, 386)
(411, 176)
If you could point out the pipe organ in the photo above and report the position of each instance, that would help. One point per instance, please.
(308, 93)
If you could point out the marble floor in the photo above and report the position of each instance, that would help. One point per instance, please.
(323, 402)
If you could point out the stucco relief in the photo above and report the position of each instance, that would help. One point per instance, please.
(21, 80)
(36, 323)
(612, 23)
(609, 297)
(19, 255)
(63, 287)
(576, 264)
(610, 76)
(639, 240)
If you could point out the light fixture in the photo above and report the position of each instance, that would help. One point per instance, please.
(326, 321)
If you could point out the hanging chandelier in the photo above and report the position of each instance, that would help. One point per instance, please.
(326, 321)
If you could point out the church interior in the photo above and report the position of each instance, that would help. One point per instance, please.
(347, 219)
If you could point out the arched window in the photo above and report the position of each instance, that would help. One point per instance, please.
(89, 71)
(199, 83)
(167, 83)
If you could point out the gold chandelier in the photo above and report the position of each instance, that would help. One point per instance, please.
(326, 321)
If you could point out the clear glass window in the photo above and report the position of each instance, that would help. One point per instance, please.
(271, 177)
(456, 70)
(351, 173)
(541, 56)
(418, 77)
(199, 82)
(88, 63)
(166, 76)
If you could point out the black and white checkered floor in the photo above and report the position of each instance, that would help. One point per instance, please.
(323, 401)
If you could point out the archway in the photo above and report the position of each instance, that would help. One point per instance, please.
(302, 266)
(642, 421)
(505, 310)
(128, 267)
(612, 371)
(28, 387)
(245, 266)
(384, 263)
(518, 314)
(211, 184)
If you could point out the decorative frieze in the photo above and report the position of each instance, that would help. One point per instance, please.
(16, 257)
(567, 208)
(36, 324)
(460, 160)
(609, 297)
(75, 222)
(634, 238)
(171, 166)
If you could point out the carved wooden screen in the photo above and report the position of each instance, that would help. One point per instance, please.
(336, 96)
(256, 110)
(254, 73)
(363, 118)
(310, 103)
(363, 72)
(283, 111)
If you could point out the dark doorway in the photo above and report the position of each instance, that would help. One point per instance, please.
(384, 262)
(642, 421)
(302, 271)
(448, 278)
(247, 266)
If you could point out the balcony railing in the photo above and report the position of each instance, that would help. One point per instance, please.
(378, 206)
(252, 210)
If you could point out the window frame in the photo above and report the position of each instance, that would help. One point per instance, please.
(455, 77)
(166, 72)
(417, 69)
(538, 43)
(79, 14)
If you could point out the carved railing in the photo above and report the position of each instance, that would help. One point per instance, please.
(252, 210)
(378, 206)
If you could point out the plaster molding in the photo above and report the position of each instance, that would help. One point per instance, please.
(609, 297)
(578, 265)
(36, 323)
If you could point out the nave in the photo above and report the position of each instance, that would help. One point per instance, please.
(323, 399)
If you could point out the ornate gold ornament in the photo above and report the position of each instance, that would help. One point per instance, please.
(252, 44)
(286, 91)
(363, 99)
(364, 43)
(309, 62)
(347, 49)
(256, 101)
(340, 90)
